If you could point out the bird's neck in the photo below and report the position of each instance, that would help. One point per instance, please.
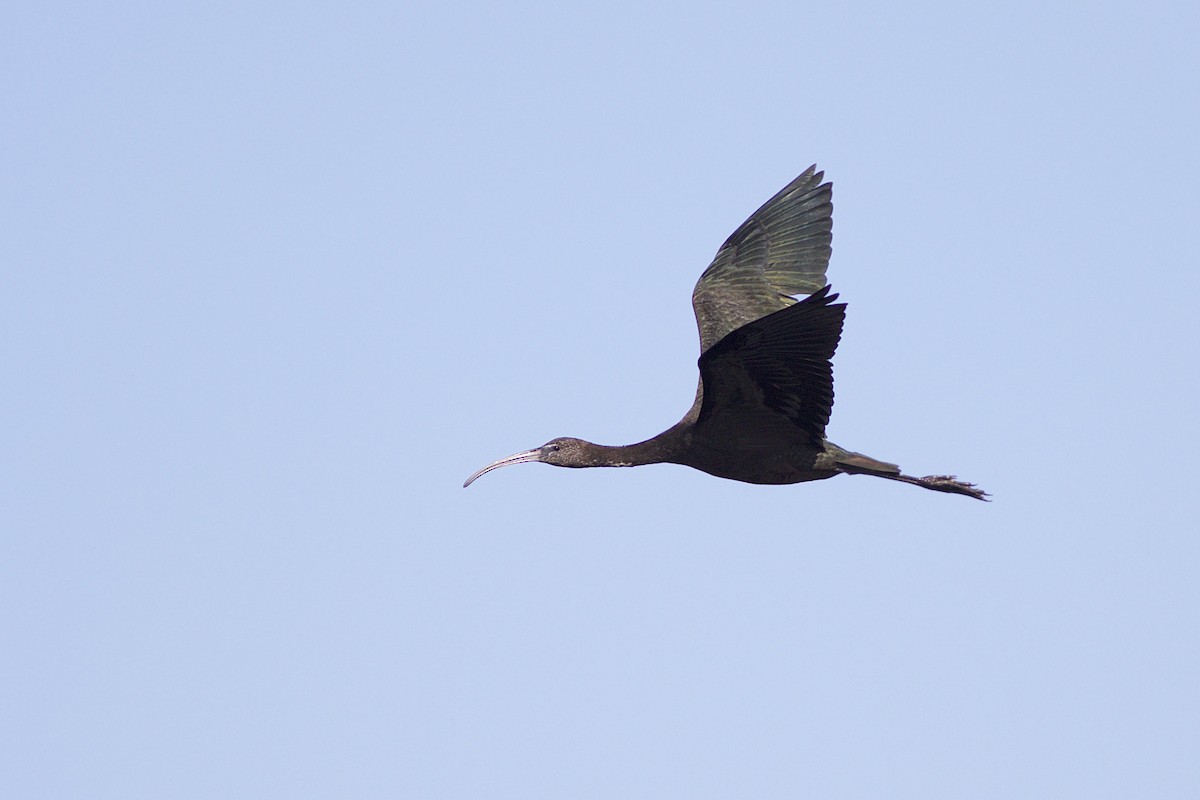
(660, 449)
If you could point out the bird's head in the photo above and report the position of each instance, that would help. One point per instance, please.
(564, 451)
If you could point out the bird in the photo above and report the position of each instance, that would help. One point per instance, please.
(765, 391)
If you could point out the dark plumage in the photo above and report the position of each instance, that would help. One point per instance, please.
(766, 377)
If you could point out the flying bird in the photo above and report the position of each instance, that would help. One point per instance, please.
(766, 377)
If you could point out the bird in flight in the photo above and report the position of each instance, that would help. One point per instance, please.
(766, 377)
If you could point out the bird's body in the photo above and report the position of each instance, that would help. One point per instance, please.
(766, 377)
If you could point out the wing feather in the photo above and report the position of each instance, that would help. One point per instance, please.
(781, 250)
(781, 363)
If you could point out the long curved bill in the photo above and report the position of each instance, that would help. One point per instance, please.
(516, 458)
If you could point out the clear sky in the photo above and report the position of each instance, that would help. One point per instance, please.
(278, 277)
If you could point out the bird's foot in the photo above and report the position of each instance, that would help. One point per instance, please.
(949, 483)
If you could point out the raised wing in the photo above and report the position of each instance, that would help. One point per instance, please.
(780, 363)
(781, 250)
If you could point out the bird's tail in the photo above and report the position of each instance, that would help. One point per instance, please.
(857, 464)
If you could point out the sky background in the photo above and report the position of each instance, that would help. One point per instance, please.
(277, 278)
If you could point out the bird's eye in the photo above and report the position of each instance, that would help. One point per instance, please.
(555, 448)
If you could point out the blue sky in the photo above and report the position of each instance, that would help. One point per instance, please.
(277, 279)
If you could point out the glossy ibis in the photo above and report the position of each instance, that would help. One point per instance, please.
(766, 381)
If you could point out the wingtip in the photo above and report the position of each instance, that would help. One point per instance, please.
(822, 296)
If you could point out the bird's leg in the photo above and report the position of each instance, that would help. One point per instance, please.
(949, 483)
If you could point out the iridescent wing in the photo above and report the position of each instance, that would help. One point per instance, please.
(777, 365)
(781, 250)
